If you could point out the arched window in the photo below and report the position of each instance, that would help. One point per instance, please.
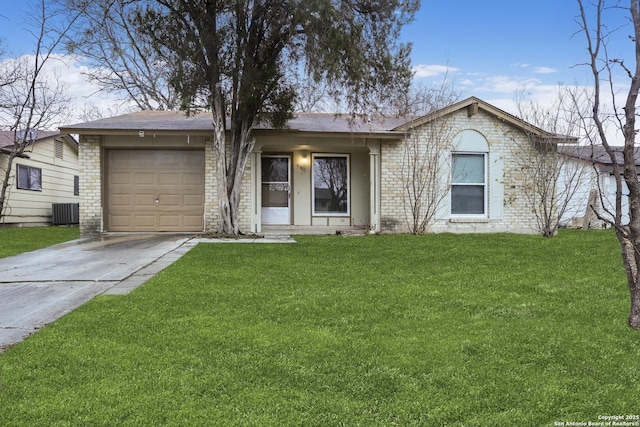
(469, 174)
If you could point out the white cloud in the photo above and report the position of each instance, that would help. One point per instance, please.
(545, 70)
(423, 70)
(68, 72)
(507, 84)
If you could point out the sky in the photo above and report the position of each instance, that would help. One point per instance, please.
(491, 49)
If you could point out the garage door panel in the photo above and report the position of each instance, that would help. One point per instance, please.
(172, 200)
(147, 221)
(137, 178)
(169, 178)
(121, 200)
(170, 221)
(193, 200)
(144, 200)
(192, 162)
(120, 220)
(192, 221)
(145, 178)
(193, 179)
(120, 178)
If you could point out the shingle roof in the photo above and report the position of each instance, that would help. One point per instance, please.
(178, 121)
(597, 154)
(6, 137)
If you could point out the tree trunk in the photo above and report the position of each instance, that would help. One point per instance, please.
(634, 312)
(219, 147)
(631, 257)
(5, 185)
(230, 175)
(631, 178)
(242, 146)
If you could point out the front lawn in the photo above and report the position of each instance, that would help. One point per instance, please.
(472, 330)
(15, 240)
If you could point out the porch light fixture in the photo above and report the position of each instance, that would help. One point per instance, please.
(303, 162)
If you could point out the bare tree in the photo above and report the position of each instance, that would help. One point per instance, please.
(314, 97)
(120, 60)
(30, 101)
(90, 112)
(551, 181)
(425, 158)
(602, 66)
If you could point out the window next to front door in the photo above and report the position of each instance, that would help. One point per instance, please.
(331, 184)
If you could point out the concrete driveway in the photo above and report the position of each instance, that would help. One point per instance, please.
(38, 287)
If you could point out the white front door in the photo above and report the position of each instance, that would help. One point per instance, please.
(276, 189)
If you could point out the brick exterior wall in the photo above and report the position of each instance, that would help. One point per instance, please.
(211, 208)
(245, 198)
(90, 168)
(504, 141)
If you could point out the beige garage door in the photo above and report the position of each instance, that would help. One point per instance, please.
(155, 190)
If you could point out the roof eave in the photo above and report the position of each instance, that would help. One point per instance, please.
(135, 132)
(202, 132)
(9, 152)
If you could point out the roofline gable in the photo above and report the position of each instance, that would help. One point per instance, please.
(474, 104)
(43, 137)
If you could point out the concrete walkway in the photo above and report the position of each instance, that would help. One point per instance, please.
(39, 287)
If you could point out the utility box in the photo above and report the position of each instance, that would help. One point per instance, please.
(65, 213)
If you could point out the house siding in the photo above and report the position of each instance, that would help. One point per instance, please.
(30, 207)
(504, 141)
(592, 181)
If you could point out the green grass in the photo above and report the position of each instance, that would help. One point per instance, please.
(16, 240)
(473, 330)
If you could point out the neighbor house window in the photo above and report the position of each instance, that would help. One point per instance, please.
(331, 184)
(468, 184)
(76, 185)
(29, 178)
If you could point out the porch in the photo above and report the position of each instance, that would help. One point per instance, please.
(311, 230)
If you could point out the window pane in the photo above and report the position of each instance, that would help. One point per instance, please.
(275, 195)
(468, 168)
(275, 169)
(23, 177)
(467, 199)
(35, 182)
(330, 182)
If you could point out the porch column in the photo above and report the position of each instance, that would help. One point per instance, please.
(256, 191)
(374, 185)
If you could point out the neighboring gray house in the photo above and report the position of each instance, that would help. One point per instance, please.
(599, 190)
(46, 174)
(155, 171)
